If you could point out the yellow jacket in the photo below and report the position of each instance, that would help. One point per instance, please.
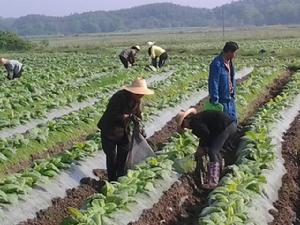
(156, 51)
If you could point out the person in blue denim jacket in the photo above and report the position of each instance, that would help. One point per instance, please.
(221, 82)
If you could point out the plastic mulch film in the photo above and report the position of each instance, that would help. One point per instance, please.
(260, 207)
(143, 201)
(41, 196)
(63, 111)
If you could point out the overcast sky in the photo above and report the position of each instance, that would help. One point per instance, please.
(16, 8)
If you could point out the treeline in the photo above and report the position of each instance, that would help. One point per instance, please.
(12, 42)
(162, 15)
(262, 12)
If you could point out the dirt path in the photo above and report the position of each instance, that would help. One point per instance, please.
(58, 211)
(288, 205)
(173, 210)
(192, 199)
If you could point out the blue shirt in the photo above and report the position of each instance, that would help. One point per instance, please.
(218, 81)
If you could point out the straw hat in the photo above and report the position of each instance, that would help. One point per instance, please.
(139, 87)
(138, 47)
(183, 114)
(150, 43)
(3, 60)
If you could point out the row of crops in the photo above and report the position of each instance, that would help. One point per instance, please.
(41, 156)
(80, 150)
(88, 116)
(116, 198)
(234, 199)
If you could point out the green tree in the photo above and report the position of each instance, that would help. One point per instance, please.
(11, 42)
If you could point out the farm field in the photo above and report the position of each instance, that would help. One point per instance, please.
(49, 143)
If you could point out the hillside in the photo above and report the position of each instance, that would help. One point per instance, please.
(161, 15)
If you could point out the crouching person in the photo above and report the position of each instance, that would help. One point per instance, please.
(13, 67)
(213, 128)
(157, 54)
(128, 56)
(115, 125)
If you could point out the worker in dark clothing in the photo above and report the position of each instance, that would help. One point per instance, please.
(128, 56)
(115, 125)
(13, 67)
(213, 128)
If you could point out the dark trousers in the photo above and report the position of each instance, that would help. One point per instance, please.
(124, 61)
(161, 62)
(162, 59)
(216, 144)
(116, 154)
(17, 75)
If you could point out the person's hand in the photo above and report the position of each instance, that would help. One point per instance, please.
(126, 116)
(214, 103)
(180, 130)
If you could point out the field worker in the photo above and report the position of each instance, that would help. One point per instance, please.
(13, 67)
(221, 82)
(158, 55)
(213, 128)
(114, 125)
(128, 56)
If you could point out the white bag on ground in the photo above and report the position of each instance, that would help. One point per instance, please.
(150, 68)
(139, 151)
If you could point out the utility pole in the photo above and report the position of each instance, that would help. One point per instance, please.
(223, 22)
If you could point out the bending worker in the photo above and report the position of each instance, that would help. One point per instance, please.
(213, 128)
(158, 55)
(13, 67)
(221, 82)
(114, 125)
(128, 56)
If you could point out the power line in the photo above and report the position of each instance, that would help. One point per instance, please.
(223, 23)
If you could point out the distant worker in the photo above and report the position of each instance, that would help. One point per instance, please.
(128, 56)
(13, 67)
(158, 55)
(221, 82)
(122, 108)
(213, 128)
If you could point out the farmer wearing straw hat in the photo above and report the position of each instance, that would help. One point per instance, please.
(213, 128)
(114, 125)
(128, 56)
(157, 54)
(13, 67)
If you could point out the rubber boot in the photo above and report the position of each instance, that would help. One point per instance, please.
(213, 176)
